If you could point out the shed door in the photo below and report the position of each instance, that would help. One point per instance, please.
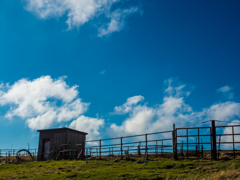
(46, 148)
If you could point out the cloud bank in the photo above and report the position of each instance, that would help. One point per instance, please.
(143, 118)
(80, 12)
(45, 102)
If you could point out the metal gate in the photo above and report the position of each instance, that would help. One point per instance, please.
(210, 142)
(191, 142)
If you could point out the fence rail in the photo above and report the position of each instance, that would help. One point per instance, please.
(179, 143)
(10, 154)
(135, 147)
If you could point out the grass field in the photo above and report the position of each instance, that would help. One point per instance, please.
(122, 169)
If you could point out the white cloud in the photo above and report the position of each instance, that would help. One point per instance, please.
(144, 119)
(81, 11)
(222, 111)
(127, 107)
(87, 124)
(226, 91)
(116, 21)
(42, 101)
(42, 121)
(138, 122)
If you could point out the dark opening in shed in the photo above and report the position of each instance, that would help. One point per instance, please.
(61, 143)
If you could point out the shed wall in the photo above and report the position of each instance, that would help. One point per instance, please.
(59, 137)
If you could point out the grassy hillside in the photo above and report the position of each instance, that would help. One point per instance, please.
(116, 169)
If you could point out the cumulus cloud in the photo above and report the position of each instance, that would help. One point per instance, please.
(224, 89)
(90, 125)
(42, 101)
(143, 119)
(226, 92)
(222, 111)
(81, 11)
(139, 121)
(173, 109)
(128, 106)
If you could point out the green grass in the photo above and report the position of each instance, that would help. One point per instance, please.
(122, 169)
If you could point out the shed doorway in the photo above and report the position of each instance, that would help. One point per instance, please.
(46, 148)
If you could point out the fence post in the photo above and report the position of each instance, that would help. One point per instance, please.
(121, 148)
(219, 143)
(156, 149)
(100, 149)
(198, 140)
(146, 149)
(139, 151)
(187, 142)
(214, 149)
(233, 142)
(174, 143)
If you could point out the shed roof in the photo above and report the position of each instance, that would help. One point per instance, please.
(57, 129)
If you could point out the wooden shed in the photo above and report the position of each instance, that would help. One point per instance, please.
(54, 141)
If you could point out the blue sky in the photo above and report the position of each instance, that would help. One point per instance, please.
(116, 67)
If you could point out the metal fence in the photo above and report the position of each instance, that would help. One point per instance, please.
(213, 142)
(197, 142)
(10, 154)
(159, 143)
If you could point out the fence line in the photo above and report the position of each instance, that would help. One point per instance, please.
(179, 143)
(12, 152)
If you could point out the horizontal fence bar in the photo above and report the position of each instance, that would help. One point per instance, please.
(227, 134)
(194, 128)
(196, 143)
(159, 132)
(226, 126)
(131, 136)
(228, 142)
(194, 135)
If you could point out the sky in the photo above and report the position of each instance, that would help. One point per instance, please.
(116, 67)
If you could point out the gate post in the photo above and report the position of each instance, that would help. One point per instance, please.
(214, 143)
(174, 143)
(146, 148)
(100, 149)
(121, 149)
(138, 151)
